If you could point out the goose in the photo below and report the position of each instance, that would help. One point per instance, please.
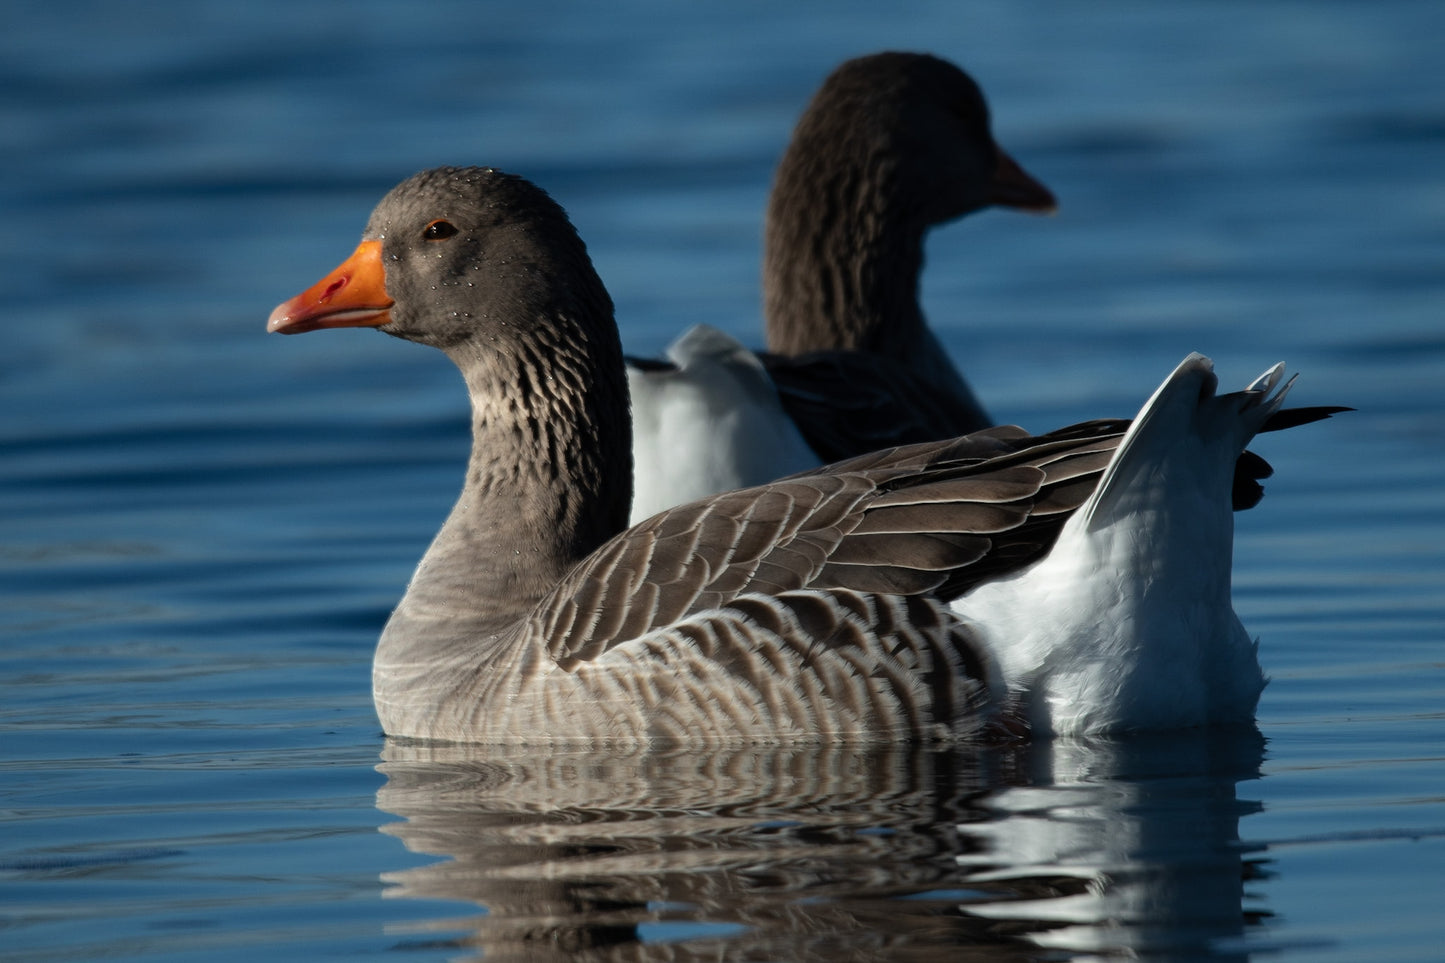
(986, 586)
(891, 145)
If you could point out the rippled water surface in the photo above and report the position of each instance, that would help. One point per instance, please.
(203, 528)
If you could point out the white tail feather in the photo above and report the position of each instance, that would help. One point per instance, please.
(1127, 623)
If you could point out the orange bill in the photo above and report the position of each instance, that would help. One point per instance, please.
(352, 296)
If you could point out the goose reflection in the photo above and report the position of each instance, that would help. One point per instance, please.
(831, 852)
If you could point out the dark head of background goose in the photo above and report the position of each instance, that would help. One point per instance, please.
(890, 145)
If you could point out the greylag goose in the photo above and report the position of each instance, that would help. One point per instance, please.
(891, 145)
(1079, 564)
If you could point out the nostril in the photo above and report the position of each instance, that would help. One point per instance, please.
(332, 289)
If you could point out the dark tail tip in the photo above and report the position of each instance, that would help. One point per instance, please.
(1294, 417)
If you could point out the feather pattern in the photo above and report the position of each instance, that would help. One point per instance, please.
(940, 590)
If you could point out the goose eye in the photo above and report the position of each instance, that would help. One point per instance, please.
(438, 231)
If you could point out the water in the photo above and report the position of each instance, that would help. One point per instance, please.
(202, 528)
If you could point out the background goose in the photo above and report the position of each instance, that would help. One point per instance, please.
(890, 145)
(812, 607)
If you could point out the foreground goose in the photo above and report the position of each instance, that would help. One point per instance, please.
(812, 607)
(891, 145)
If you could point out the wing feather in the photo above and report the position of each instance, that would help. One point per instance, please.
(929, 519)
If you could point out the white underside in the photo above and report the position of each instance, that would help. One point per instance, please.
(1128, 623)
(712, 425)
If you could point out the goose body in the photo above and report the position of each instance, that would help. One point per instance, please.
(887, 597)
(891, 145)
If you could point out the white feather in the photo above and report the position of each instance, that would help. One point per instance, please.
(712, 424)
(1127, 622)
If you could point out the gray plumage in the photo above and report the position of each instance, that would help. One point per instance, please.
(813, 607)
(891, 145)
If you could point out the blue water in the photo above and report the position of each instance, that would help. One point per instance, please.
(203, 528)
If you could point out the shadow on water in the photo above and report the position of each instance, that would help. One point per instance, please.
(832, 853)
